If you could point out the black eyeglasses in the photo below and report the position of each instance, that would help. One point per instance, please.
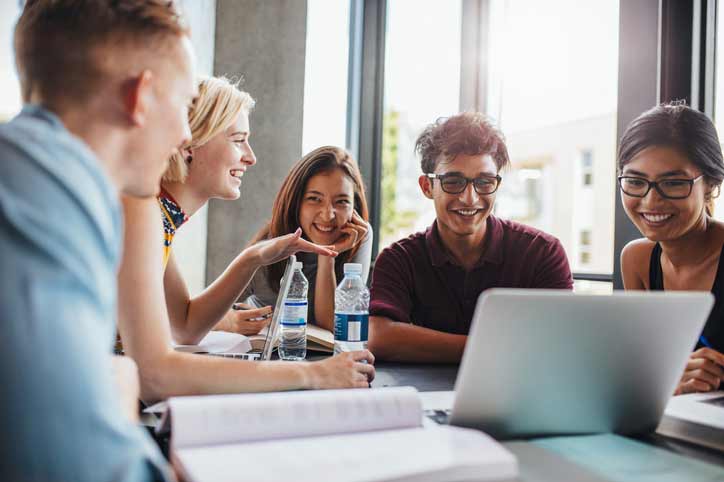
(455, 183)
(668, 188)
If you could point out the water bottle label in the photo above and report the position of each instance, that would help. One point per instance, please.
(295, 313)
(350, 327)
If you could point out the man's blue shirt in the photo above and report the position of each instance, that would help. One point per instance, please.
(60, 245)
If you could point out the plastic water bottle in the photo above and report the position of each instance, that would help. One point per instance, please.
(293, 334)
(351, 311)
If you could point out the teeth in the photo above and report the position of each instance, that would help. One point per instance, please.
(324, 228)
(238, 173)
(466, 212)
(656, 218)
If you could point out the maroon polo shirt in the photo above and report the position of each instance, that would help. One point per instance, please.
(416, 281)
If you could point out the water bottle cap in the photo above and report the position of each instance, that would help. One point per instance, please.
(352, 268)
(297, 265)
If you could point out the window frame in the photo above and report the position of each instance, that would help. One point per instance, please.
(665, 53)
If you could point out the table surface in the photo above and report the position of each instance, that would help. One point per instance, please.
(536, 463)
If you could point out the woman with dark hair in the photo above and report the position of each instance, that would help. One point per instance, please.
(670, 169)
(323, 194)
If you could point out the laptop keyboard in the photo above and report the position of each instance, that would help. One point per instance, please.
(719, 401)
(239, 356)
(441, 417)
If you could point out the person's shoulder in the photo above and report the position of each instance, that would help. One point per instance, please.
(410, 245)
(522, 233)
(52, 181)
(635, 260)
(637, 250)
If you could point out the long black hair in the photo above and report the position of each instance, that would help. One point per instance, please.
(680, 127)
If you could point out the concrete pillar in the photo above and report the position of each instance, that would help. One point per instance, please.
(262, 41)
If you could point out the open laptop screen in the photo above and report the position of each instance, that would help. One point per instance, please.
(273, 330)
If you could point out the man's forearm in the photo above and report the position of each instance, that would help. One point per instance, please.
(396, 341)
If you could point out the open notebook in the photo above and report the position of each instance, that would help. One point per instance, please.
(223, 343)
(697, 418)
(218, 342)
(340, 435)
(318, 339)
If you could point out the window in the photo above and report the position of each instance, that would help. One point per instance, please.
(719, 98)
(584, 247)
(325, 74)
(10, 102)
(422, 83)
(552, 87)
(587, 167)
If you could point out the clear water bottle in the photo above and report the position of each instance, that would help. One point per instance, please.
(293, 333)
(351, 311)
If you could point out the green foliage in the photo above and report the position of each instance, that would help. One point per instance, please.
(392, 219)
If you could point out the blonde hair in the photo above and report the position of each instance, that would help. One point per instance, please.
(218, 105)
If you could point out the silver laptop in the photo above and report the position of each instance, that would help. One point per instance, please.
(544, 362)
(272, 332)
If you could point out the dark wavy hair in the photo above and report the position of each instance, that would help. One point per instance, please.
(469, 133)
(677, 126)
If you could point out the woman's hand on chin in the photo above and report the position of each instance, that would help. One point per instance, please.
(353, 233)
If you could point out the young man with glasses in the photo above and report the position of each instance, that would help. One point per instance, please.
(671, 169)
(425, 287)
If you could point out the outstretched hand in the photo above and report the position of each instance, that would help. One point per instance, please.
(277, 249)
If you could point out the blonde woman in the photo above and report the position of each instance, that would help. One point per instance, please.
(154, 300)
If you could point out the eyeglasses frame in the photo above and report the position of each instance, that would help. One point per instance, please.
(468, 181)
(655, 185)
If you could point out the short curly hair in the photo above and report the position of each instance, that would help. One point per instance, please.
(469, 133)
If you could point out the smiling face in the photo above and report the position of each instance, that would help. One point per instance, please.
(327, 205)
(461, 214)
(659, 218)
(217, 167)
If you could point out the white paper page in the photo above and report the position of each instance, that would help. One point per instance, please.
(694, 408)
(420, 455)
(223, 419)
(218, 342)
(437, 400)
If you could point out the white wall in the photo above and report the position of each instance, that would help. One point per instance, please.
(190, 241)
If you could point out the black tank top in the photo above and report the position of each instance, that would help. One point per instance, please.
(714, 328)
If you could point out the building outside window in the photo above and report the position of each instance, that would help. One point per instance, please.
(422, 83)
(552, 89)
(587, 167)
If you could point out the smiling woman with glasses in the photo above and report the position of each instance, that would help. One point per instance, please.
(671, 169)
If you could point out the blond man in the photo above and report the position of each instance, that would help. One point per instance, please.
(106, 85)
